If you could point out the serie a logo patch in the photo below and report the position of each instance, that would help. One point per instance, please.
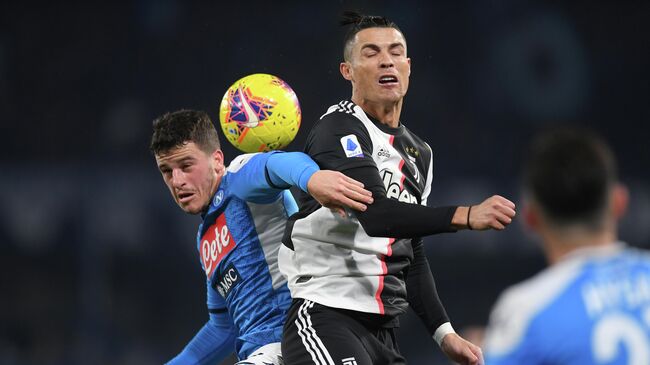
(351, 146)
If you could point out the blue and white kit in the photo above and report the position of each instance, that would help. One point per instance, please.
(592, 307)
(238, 243)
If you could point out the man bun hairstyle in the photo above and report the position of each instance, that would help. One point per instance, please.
(569, 173)
(173, 130)
(359, 22)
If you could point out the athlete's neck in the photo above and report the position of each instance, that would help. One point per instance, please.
(558, 244)
(387, 114)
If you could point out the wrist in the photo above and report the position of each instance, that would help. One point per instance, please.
(443, 331)
(459, 220)
(305, 177)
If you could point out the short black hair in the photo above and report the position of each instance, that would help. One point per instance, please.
(569, 172)
(172, 130)
(359, 22)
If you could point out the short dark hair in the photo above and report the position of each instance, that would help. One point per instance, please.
(569, 173)
(359, 22)
(172, 130)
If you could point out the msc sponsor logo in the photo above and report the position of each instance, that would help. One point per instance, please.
(349, 361)
(394, 189)
(215, 245)
(228, 279)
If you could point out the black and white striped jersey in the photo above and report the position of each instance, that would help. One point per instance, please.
(332, 260)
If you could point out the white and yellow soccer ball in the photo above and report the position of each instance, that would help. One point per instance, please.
(260, 112)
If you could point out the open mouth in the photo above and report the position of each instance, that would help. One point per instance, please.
(388, 80)
(184, 197)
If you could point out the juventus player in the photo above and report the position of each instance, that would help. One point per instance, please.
(348, 279)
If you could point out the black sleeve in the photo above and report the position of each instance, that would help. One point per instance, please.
(385, 217)
(421, 291)
(332, 140)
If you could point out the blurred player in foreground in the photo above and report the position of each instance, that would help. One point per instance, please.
(592, 305)
(244, 209)
(349, 280)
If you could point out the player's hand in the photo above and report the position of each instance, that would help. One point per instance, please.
(495, 212)
(337, 191)
(461, 351)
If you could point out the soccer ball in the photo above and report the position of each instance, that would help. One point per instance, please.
(260, 112)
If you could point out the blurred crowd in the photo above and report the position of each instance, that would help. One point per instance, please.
(96, 261)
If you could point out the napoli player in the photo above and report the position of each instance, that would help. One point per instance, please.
(244, 209)
(592, 305)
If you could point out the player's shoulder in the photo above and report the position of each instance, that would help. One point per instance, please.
(637, 255)
(532, 295)
(338, 116)
(342, 109)
(519, 305)
(339, 121)
(416, 139)
(242, 160)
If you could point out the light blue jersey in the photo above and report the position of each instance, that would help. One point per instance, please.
(592, 307)
(238, 243)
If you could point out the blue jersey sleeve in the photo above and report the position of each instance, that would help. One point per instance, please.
(517, 356)
(261, 177)
(213, 343)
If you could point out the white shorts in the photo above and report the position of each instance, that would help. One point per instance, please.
(270, 354)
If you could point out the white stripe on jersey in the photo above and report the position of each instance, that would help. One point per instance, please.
(342, 276)
(310, 339)
(514, 309)
(270, 220)
(334, 261)
(427, 186)
(238, 162)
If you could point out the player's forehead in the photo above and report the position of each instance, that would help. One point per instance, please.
(186, 151)
(381, 37)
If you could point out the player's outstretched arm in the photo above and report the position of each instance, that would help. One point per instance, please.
(495, 212)
(211, 345)
(331, 189)
(261, 177)
(461, 351)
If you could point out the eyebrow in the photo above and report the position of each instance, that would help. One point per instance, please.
(180, 161)
(185, 159)
(375, 47)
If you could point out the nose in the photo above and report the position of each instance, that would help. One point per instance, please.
(385, 61)
(177, 178)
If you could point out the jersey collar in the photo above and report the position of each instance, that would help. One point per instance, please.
(383, 127)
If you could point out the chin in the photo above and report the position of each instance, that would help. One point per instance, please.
(391, 95)
(391, 98)
(190, 209)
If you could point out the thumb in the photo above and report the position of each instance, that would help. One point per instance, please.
(339, 210)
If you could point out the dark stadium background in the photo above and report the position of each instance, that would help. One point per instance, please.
(97, 264)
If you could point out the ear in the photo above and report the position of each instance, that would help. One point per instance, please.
(217, 159)
(620, 198)
(531, 216)
(346, 70)
(408, 59)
